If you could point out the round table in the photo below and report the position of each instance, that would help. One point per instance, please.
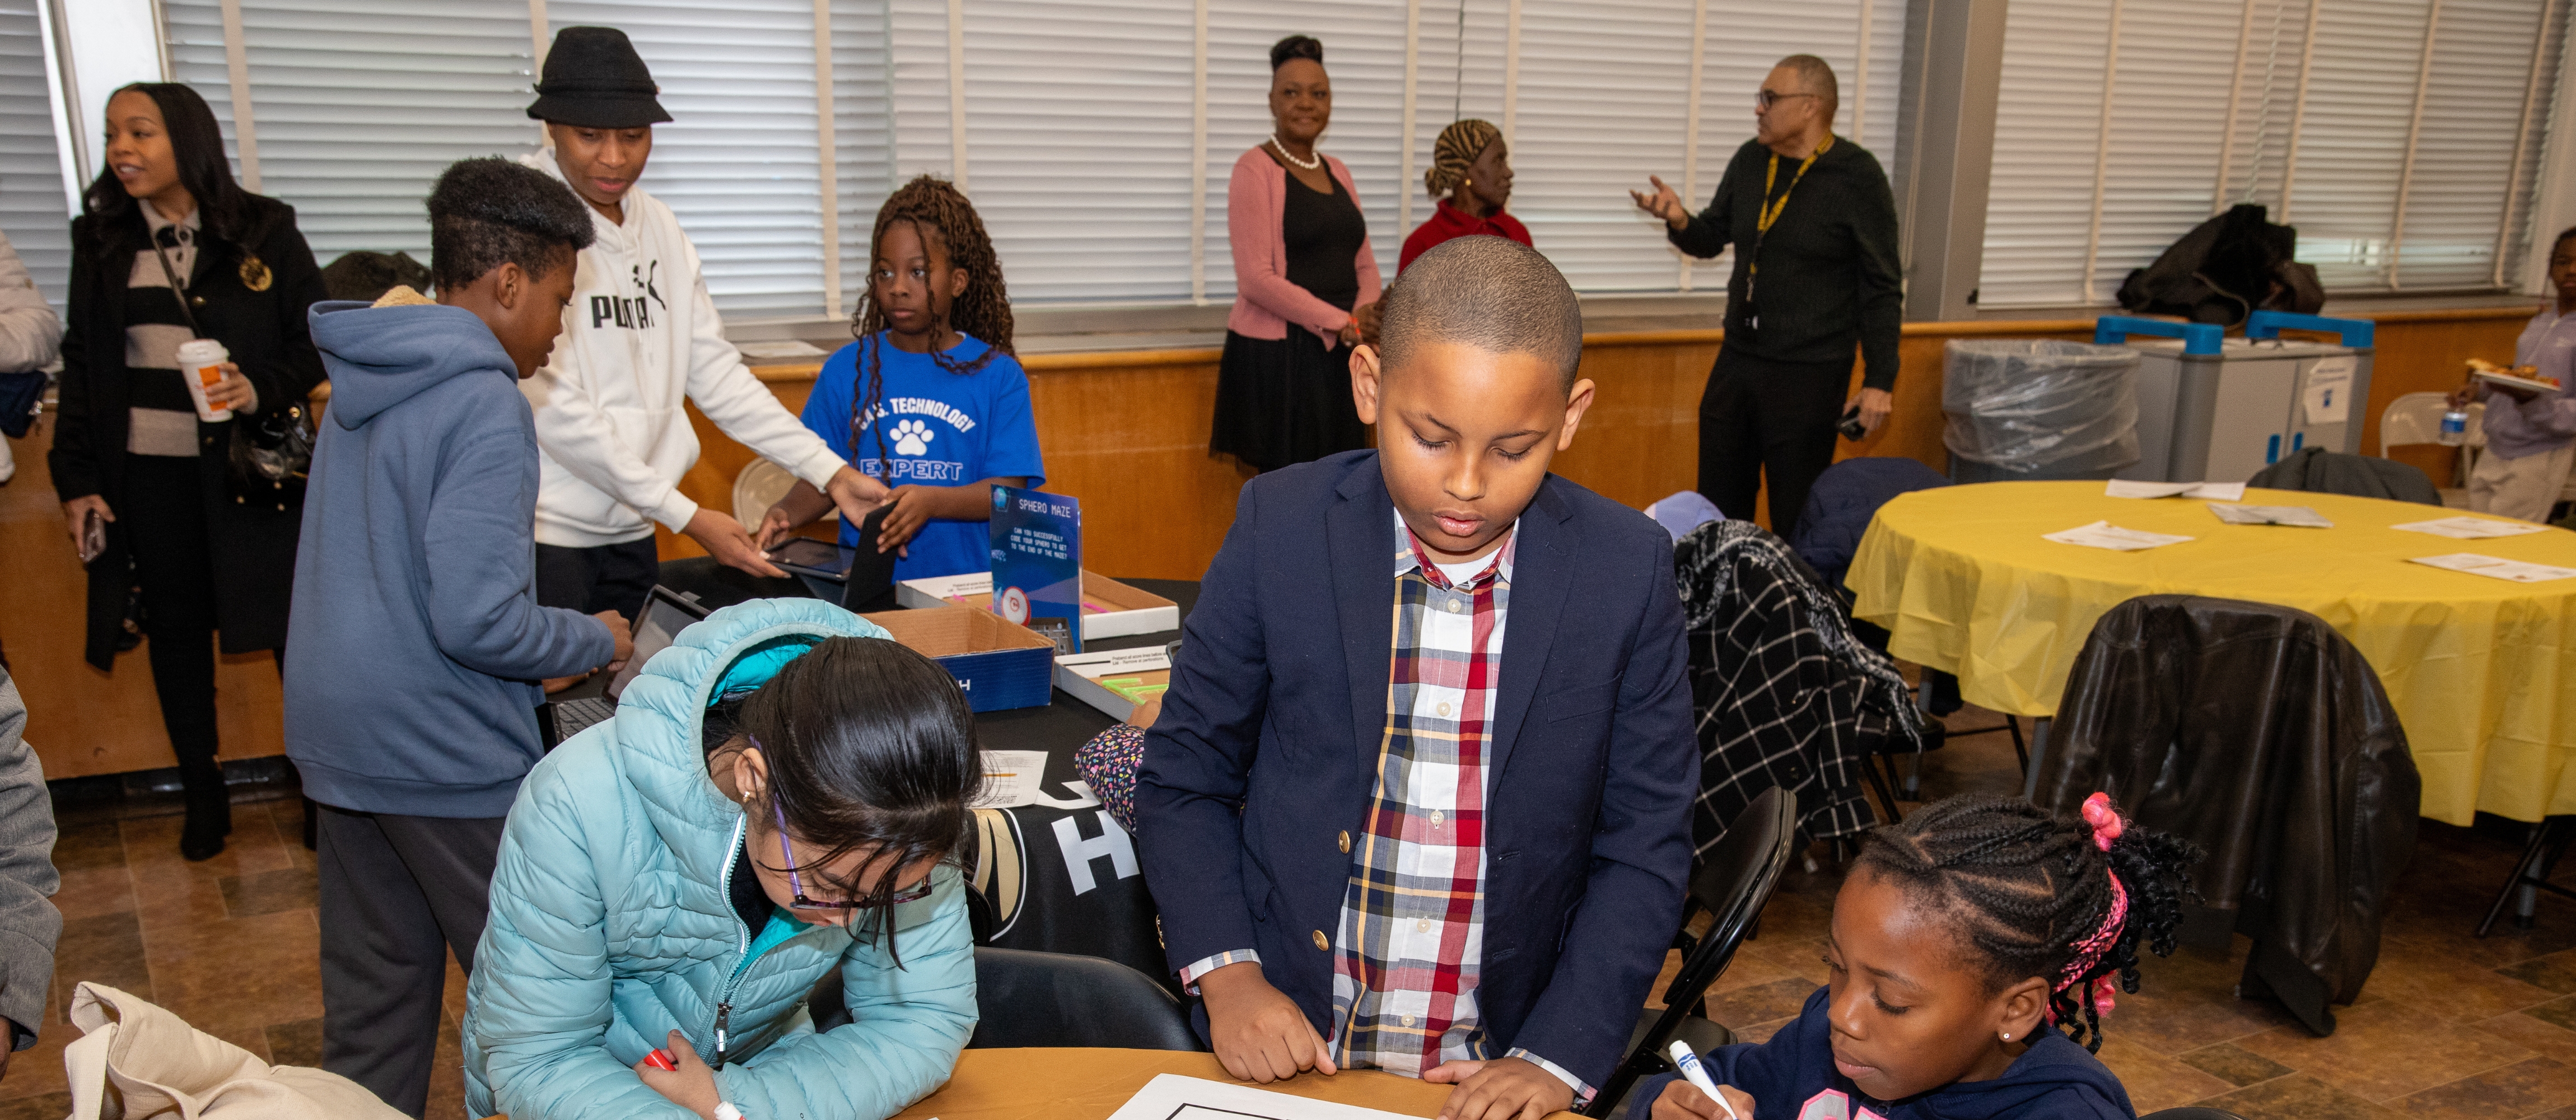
(2480, 670)
(1091, 1084)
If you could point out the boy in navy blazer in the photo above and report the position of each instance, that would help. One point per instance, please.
(1418, 798)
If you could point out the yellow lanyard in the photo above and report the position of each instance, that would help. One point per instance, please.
(1770, 211)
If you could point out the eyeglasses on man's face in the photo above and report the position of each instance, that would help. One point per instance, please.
(1768, 98)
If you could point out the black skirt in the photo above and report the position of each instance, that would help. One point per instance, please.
(1284, 401)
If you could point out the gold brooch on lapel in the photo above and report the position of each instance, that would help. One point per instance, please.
(254, 273)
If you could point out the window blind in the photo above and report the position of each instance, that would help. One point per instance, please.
(2391, 133)
(32, 208)
(1079, 144)
(1073, 129)
(2464, 177)
(1602, 102)
(359, 107)
(862, 133)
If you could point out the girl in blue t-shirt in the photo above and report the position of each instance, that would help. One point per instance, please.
(929, 401)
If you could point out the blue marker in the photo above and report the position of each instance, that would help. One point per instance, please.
(1697, 1074)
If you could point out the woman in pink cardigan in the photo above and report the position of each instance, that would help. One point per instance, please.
(1306, 282)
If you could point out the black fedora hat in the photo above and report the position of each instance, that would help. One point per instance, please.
(594, 79)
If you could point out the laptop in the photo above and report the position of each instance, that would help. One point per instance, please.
(666, 613)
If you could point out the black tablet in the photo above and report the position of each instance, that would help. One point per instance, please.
(806, 556)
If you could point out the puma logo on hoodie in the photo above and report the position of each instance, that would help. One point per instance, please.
(634, 313)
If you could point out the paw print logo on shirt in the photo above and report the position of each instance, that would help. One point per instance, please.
(912, 437)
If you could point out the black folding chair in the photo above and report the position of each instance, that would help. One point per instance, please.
(2549, 841)
(1053, 999)
(1733, 885)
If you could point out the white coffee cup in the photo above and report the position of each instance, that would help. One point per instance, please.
(201, 365)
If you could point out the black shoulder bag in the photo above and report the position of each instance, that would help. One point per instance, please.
(270, 453)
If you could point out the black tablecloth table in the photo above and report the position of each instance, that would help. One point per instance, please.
(1063, 877)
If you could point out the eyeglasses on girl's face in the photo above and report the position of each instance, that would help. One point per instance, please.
(796, 884)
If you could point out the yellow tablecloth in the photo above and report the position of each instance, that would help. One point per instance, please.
(2480, 670)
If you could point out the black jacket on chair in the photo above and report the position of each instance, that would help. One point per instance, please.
(253, 546)
(2260, 734)
(2316, 470)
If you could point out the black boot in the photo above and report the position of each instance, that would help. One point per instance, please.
(210, 812)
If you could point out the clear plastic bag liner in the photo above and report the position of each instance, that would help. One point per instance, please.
(2027, 404)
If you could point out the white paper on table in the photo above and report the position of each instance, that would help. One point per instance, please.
(2300, 516)
(2328, 398)
(778, 351)
(1012, 779)
(2472, 528)
(2498, 568)
(2103, 534)
(2206, 491)
(1115, 662)
(1171, 1096)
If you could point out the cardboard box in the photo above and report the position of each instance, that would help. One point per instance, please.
(1110, 609)
(1113, 680)
(999, 665)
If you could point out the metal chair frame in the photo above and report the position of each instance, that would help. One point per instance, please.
(1734, 885)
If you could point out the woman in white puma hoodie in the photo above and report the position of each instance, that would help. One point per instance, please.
(640, 337)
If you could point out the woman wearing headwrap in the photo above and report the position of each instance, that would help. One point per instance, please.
(1469, 165)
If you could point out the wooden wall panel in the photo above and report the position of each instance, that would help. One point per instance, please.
(83, 721)
(1125, 432)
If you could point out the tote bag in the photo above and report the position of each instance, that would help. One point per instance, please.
(135, 1060)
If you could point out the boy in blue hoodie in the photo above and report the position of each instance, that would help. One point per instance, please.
(415, 641)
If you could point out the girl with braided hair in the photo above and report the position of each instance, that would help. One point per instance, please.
(1471, 175)
(1976, 948)
(929, 400)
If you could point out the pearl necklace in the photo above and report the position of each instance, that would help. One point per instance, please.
(1304, 164)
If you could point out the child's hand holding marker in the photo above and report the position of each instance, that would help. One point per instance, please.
(1700, 1098)
(679, 1075)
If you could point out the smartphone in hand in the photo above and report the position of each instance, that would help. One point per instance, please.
(93, 539)
(1850, 425)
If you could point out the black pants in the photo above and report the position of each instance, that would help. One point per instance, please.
(608, 577)
(398, 895)
(164, 513)
(1767, 421)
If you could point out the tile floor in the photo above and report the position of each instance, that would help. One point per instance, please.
(2448, 1026)
(231, 945)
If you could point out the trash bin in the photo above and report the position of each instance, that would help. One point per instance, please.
(2031, 409)
(2217, 409)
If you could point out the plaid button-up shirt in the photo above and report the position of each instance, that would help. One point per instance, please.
(1411, 934)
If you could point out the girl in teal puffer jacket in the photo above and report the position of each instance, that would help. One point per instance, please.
(644, 900)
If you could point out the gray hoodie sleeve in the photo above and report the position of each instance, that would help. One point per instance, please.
(483, 608)
(29, 924)
(31, 336)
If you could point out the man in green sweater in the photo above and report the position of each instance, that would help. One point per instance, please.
(1816, 272)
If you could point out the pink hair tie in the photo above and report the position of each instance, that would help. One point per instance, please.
(2105, 820)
